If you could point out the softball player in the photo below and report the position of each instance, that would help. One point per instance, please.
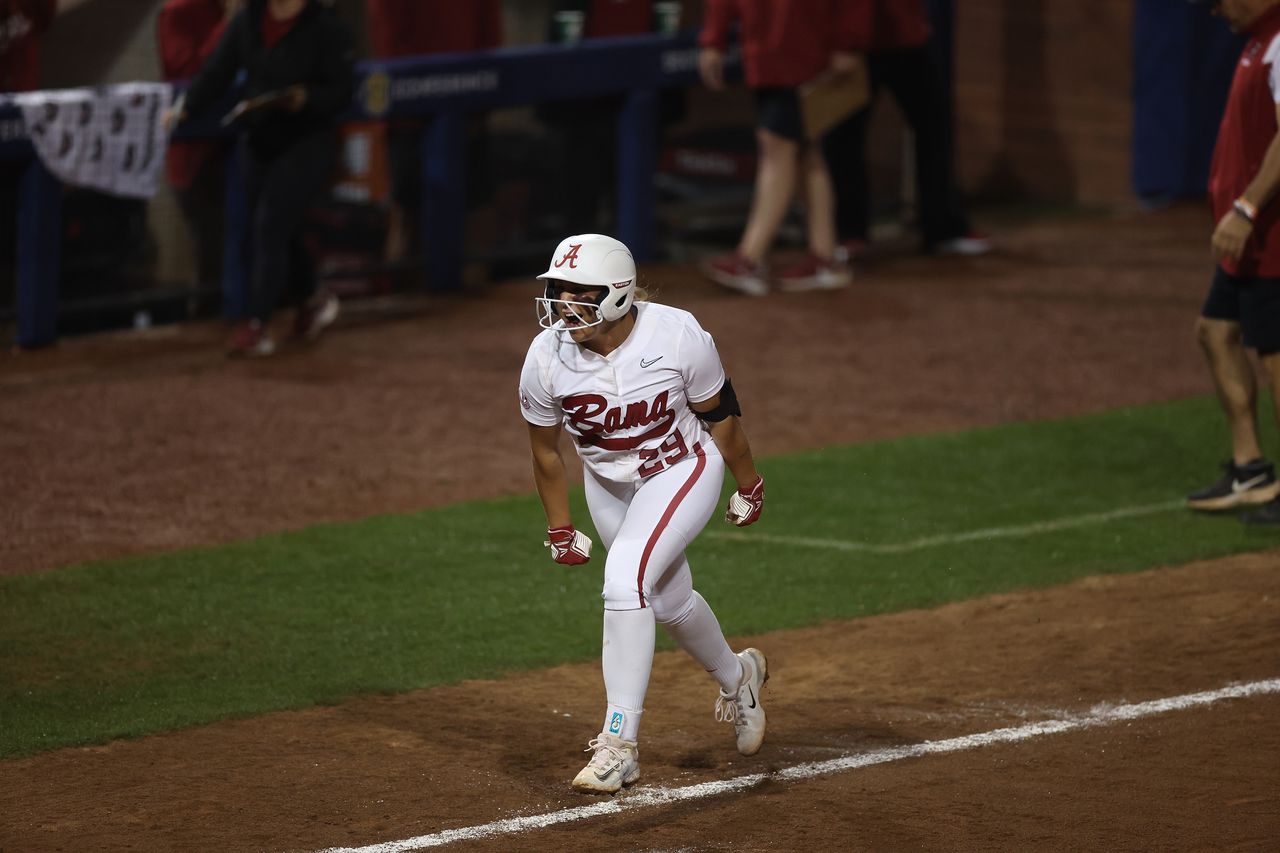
(640, 389)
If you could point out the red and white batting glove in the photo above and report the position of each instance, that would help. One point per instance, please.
(569, 547)
(745, 505)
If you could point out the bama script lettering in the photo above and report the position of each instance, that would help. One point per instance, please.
(592, 419)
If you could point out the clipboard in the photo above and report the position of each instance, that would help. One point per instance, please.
(830, 98)
(261, 103)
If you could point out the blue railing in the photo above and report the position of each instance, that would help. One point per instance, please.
(446, 86)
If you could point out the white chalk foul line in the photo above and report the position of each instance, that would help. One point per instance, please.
(1011, 531)
(640, 798)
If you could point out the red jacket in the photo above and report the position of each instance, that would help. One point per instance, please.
(187, 31)
(21, 23)
(900, 24)
(787, 42)
(1248, 126)
(417, 27)
(618, 18)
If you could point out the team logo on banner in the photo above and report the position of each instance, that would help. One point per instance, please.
(377, 93)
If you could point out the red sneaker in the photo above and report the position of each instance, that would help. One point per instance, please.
(250, 340)
(814, 273)
(315, 315)
(738, 273)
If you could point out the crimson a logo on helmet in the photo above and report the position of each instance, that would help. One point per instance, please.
(570, 256)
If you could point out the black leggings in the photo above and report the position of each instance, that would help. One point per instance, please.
(279, 190)
(913, 77)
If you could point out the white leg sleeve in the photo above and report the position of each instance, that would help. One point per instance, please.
(627, 660)
(696, 629)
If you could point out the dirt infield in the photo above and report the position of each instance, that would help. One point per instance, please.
(127, 444)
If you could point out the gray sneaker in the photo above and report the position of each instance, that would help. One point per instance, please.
(743, 707)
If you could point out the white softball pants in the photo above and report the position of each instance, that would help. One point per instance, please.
(646, 526)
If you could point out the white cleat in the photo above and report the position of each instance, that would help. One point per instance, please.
(743, 708)
(616, 763)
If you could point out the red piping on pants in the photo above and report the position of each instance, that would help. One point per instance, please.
(666, 518)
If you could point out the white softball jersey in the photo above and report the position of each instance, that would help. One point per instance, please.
(653, 473)
(627, 412)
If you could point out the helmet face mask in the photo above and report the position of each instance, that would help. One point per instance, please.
(592, 261)
(566, 315)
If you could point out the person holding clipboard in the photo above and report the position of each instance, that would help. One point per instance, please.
(299, 67)
(801, 59)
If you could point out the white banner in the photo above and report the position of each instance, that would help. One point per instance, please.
(110, 139)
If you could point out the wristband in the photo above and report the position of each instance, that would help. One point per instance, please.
(1245, 209)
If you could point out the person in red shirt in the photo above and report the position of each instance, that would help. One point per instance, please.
(21, 24)
(901, 60)
(187, 31)
(1242, 309)
(419, 28)
(785, 43)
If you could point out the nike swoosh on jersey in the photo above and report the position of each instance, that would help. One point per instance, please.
(649, 362)
(1238, 486)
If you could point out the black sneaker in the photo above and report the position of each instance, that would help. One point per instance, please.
(1268, 513)
(1251, 483)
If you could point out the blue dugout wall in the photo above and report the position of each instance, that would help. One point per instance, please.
(1183, 59)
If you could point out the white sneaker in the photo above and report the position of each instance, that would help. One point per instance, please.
(813, 273)
(744, 708)
(969, 245)
(616, 763)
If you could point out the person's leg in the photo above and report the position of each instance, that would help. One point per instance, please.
(845, 146)
(913, 77)
(819, 202)
(1234, 382)
(1260, 324)
(1233, 318)
(626, 656)
(292, 182)
(687, 618)
(774, 190)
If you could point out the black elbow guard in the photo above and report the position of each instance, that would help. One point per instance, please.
(727, 406)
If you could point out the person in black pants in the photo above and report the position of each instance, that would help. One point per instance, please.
(901, 59)
(300, 74)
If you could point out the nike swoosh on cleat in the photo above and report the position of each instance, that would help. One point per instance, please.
(1238, 486)
(649, 362)
(752, 694)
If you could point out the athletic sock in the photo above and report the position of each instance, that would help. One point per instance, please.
(696, 630)
(627, 661)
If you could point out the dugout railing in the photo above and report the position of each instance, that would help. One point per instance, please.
(444, 87)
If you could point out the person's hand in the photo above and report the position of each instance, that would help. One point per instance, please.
(173, 117)
(843, 62)
(297, 98)
(745, 505)
(1230, 236)
(711, 67)
(569, 547)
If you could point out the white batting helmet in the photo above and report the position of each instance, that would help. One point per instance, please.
(592, 260)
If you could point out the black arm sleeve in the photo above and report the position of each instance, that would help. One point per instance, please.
(727, 406)
(215, 77)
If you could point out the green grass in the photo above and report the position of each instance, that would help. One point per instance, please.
(149, 644)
